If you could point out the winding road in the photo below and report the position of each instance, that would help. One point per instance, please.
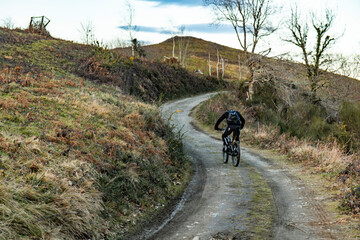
(218, 198)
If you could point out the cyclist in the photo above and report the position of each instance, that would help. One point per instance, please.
(235, 122)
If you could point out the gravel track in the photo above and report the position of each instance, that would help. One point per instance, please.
(219, 195)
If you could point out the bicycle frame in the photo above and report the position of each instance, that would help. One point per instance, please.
(233, 151)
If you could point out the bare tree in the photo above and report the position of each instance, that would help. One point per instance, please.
(183, 43)
(250, 20)
(341, 64)
(346, 65)
(8, 23)
(174, 31)
(239, 60)
(209, 61)
(356, 67)
(87, 32)
(217, 63)
(130, 27)
(314, 56)
(223, 61)
(117, 43)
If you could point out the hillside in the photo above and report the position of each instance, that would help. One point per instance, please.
(147, 80)
(80, 159)
(338, 86)
(324, 137)
(83, 152)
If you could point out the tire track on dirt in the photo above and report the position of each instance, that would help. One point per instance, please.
(208, 208)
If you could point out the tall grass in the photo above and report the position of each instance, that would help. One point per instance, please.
(80, 160)
(319, 145)
(327, 157)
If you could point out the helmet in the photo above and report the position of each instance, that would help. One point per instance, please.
(233, 116)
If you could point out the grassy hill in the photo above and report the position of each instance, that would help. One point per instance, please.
(83, 151)
(338, 86)
(82, 156)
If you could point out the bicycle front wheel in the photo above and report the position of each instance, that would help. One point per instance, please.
(235, 157)
(225, 154)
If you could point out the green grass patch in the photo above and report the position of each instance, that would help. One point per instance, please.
(262, 215)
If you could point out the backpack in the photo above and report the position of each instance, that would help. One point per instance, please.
(233, 117)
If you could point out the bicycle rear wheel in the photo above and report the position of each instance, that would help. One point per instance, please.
(235, 156)
(225, 154)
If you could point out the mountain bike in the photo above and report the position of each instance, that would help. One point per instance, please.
(232, 149)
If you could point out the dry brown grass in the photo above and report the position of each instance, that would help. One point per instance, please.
(324, 156)
(328, 158)
(63, 139)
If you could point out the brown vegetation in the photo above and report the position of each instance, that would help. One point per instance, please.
(80, 160)
(328, 156)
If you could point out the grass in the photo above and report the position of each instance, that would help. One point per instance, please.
(262, 214)
(324, 157)
(148, 80)
(78, 159)
(325, 164)
(81, 160)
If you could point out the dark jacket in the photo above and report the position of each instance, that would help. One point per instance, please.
(240, 123)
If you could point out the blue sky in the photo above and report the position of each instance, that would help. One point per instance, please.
(178, 2)
(157, 19)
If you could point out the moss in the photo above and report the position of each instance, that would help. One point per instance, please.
(262, 214)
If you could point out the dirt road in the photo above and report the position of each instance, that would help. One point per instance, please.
(219, 199)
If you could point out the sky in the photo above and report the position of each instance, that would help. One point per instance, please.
(157, 20)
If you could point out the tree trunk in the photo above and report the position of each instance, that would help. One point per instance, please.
(209, 65)
(251, 90)
(180, 49)
(173, 51)
(217, 64)
(251, 67)
(239, 67)
(313, 86)
(185, 52)
(222, 68)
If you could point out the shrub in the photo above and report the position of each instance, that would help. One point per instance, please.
(266, 94)
(350, 117)
(147, 80)
(351, 201)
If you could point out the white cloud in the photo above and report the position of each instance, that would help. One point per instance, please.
(107, 15)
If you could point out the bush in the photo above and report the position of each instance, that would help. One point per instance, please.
(147, 80)
(266, 94)
(351, 201)
(306, 120)
(350, 117)
(303, 120)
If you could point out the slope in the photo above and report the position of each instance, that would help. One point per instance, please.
(79, 159)
(337, 87)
